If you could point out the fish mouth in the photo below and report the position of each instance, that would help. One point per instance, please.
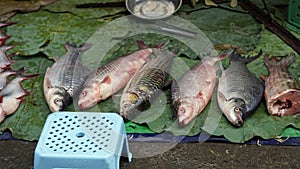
(238, 122)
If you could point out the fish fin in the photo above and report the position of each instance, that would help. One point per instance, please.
(167, 85)
(250, 59)
(263, 76)
(235, 56)
(47, 83)
(107, 80)
(175, 91)
(286, 60)
(141, 44)
(221, 96)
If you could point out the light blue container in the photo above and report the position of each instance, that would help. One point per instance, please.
(82, 140)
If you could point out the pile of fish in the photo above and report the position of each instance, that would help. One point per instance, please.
(144, 73)
(11, 92)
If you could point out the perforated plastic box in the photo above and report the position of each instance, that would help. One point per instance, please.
(82, 140)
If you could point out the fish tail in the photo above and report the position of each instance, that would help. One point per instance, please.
(72, 46)
(7, 23)
(275, 62)
(224, 55)
(21, 74)
(235, 56)
(142, 45)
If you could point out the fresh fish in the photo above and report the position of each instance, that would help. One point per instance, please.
(191, 93)
(111, 77)
(239, 91)
(4, 77)
(5, 60)
(13, 94)
(65, 77)
(282, 92)
(146, 84)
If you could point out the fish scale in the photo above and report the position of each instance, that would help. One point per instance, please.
(239, 90)
(111, 77)
(65, 77)
(192, 92)
(146, 83)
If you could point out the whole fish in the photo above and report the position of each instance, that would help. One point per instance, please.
(65, 77)
(5, 60)
(13, 94)
(111, 77)
(239, 90)
(282, 92)
(146, 84)
(191, 93)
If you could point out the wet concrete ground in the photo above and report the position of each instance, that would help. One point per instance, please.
(19, 155)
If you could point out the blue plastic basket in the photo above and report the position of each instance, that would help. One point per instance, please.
(82, 140)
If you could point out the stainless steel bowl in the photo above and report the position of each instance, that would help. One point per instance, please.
(153, 9)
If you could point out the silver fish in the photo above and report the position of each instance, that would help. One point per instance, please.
(146, 84)
(65, 77)
(111, 77)
(282, 92)
(239, 90)
(13, 94)
(192, 92)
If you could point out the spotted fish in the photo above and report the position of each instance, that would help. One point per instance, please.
(146, 84)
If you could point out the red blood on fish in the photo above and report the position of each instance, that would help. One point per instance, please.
(192, 92)
(113, 76)
(282, 92)
(13, 94)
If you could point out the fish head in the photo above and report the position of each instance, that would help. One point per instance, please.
(234, 110)
(57, 98)
(89, 96)
(128, 105)
(187, 109)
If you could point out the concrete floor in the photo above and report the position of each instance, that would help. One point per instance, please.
(19, 155)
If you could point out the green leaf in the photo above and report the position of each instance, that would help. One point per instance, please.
(47, 32)
(70, 6)
(27, 122)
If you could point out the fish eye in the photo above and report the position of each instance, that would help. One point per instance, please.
(237, 109)
(84, 93)
(58, 101)
(181, 110)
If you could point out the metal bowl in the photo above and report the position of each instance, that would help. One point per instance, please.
(153, 9)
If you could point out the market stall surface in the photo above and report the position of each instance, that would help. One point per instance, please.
(230, 27)
(19, 155)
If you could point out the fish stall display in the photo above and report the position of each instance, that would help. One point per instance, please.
(11, 91)
(146, 84)
(64, 79)
(113, 76)
(239, 90)
(282, 92)
(192, 92)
